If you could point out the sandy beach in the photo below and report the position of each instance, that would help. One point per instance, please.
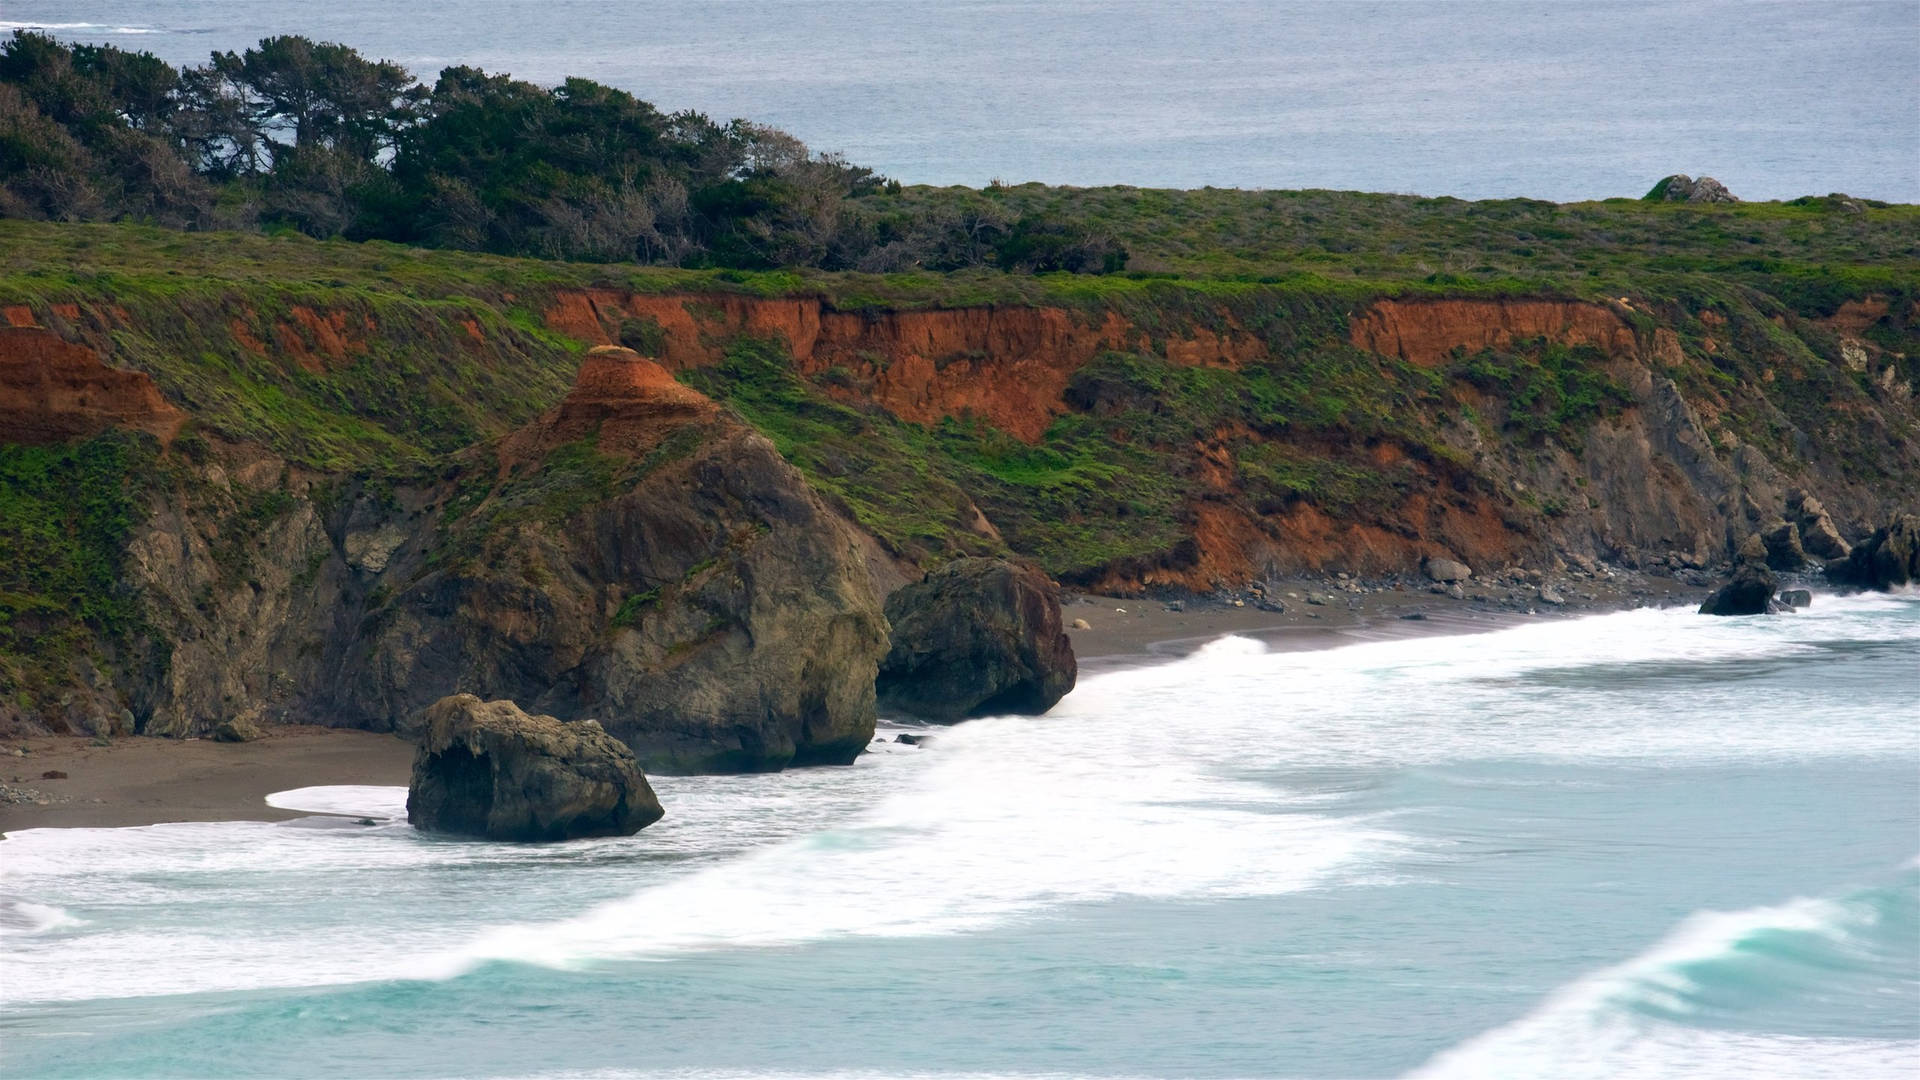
(143, 781)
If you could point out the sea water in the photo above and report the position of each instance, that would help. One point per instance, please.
(1553, 100)
(1644, 844)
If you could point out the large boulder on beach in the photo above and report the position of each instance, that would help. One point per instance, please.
(1888, 559)
(1748, 592)
(485, 768)
(976, 637)
(1446, 570)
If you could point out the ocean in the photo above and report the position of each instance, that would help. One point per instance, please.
(1641, 844)
(1556, 100)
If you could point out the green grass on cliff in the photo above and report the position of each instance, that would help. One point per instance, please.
(65, 515)
(1813, 254)
(1547, 390)
(1110, 482)
(1586, 247)
(449, 349)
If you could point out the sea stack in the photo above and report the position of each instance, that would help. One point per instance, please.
(976, 637)
(487, 769)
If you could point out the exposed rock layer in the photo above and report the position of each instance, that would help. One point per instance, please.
(705, 606)
(51, 390)
(1427, 332)
(281, 592)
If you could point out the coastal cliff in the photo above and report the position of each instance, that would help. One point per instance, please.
(678, 508)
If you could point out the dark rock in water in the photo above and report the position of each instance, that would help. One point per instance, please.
(1414, 616)
(1886, 560)
(976, 637)
(1683, 188)
(1783, 546)
(1748, 592)
(910, 740)
(485, 768)
(1796, 598)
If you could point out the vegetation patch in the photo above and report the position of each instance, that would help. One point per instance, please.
(66, 513)
(1551, 391)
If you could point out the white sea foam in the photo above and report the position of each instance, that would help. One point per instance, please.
(1166, 782)
(1573, 689)
(1615, 1022)
(346, 800)
(23, 917)
(1017, 816)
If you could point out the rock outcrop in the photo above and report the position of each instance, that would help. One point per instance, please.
(640, 556)
(1446, 570)
(1783, 546)
(238, 729)
(652, 562)
(485, 768)
(1749, 591)
(1819, 537)
(977, 637)
(1888, 559)
(1683, 188)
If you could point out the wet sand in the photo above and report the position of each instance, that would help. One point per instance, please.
(1123, 632)
(142, 781)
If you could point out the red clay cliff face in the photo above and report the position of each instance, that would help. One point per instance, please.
(1008, 366)
(51, 390)
(630, 401)
(1425, 332)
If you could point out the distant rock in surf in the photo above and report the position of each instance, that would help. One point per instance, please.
(485, 768)
(1796, 598)
(1886, 560)
(974, 638)
(1750, 590)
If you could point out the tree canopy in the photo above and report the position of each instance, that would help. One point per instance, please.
(313, 136)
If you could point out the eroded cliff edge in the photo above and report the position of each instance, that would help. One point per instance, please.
(336, 506)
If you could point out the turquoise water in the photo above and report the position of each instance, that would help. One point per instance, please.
(1643, 844)
(1547, 99)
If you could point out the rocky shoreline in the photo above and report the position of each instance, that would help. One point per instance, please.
(135, 781)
